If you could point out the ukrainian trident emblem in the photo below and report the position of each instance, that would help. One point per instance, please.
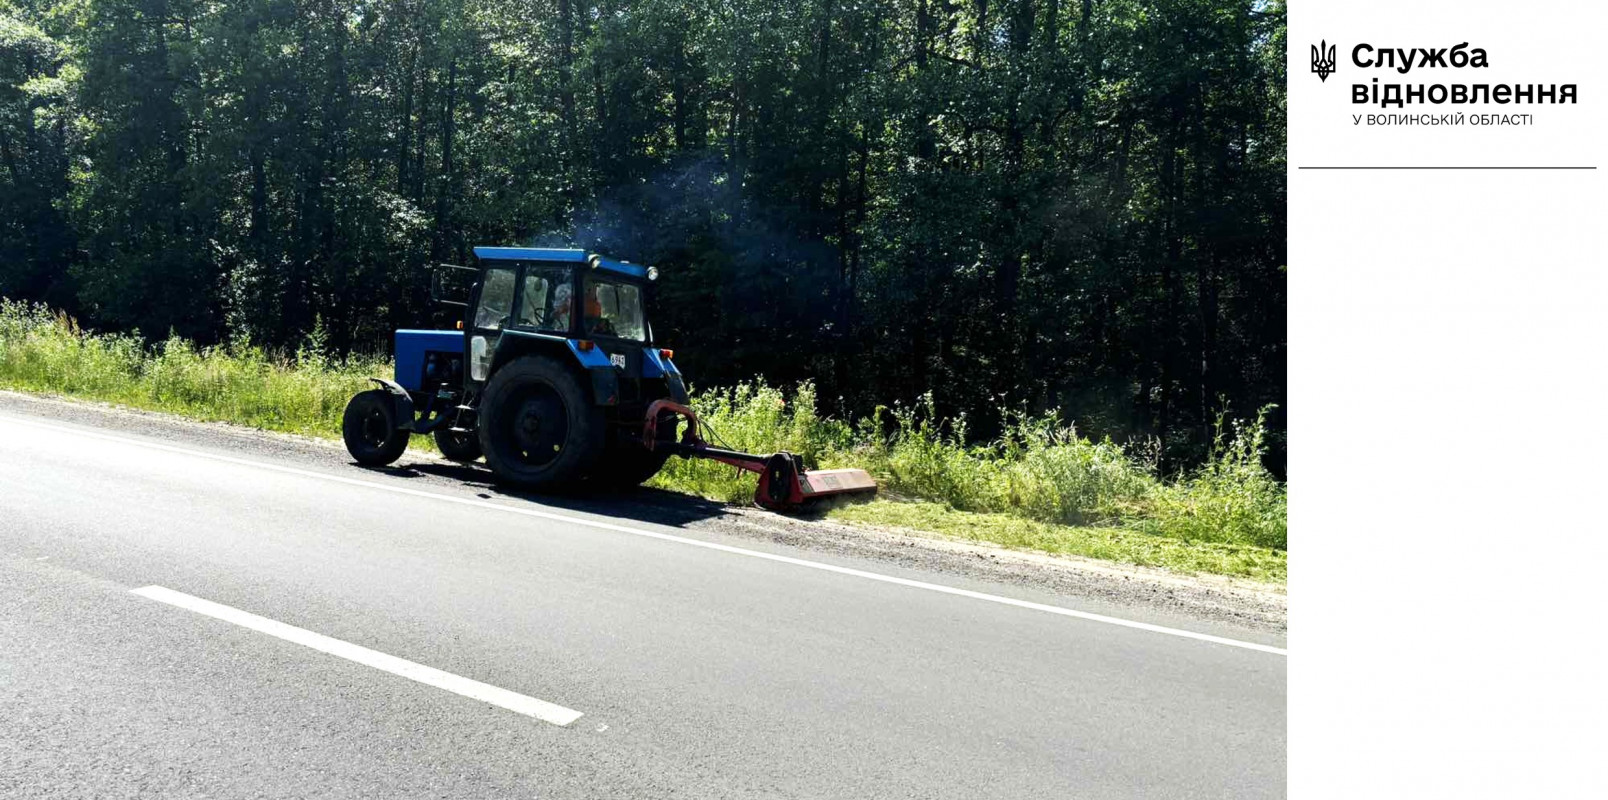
(1323, 60)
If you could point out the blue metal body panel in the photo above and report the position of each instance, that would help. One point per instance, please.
(530, 254)
(633, 270)
(590, 359)
(655, 365)
(411, 347)
(544, 337)
(559, 254)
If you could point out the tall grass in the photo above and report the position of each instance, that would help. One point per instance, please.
(1039, 469)
(756, 418)
(300, 392)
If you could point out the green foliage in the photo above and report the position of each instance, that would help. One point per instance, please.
(756, 418)
(1230, 499)
(1075, 205)
(1039, 469)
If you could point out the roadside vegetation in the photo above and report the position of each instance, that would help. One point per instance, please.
(1039, 486)
(300, 392)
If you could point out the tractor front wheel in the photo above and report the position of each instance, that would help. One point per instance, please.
(458, 446)
(538, 428)
(369, 428)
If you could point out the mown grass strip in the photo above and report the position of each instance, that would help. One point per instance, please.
(1102, 542)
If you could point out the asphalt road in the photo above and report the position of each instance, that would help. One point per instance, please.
(701, 664)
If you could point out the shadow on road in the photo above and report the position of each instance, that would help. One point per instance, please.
(641, 504)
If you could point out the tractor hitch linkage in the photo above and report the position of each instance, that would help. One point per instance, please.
(784, 484)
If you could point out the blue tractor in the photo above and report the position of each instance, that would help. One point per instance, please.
(554, 377)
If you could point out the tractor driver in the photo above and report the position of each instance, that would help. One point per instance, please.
(596, 321)
(560, 314)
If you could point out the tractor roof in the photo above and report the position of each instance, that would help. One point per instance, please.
(559, 254)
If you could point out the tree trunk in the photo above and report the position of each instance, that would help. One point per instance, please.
(678, 93)
(416, 191)
(259, 205)
(1207, 299)
(568, 161)
(404, 150)
(447, 187)
(1170, 333)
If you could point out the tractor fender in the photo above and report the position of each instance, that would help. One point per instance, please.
(605, 386)
(401, 402)
(600, 370)
(656, 365)
(597, 372)
(678, 390)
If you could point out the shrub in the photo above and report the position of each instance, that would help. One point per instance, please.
(1054, 475)
(1039, 468)
(1231, 498)
(755, 418)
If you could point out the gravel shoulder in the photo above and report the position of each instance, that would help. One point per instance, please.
(1108, 585)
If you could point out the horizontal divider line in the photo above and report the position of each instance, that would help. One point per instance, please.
(1436, 167)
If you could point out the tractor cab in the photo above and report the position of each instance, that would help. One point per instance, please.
(558, 302)
(554, 377)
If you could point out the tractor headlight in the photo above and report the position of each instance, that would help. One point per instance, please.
(594, 261)
(653, 273)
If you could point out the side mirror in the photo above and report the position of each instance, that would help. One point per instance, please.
(451, 284)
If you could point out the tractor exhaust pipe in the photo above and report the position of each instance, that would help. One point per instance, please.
(784, 484)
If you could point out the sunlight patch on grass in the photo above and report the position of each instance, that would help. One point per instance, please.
(1107, 543)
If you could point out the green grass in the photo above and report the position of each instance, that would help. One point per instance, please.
(1038, 470)
(1039, 486)
(1102, 542)
(302, 392)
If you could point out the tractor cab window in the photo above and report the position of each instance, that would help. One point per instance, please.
(496, 299)
(545, 304)
(614, 309)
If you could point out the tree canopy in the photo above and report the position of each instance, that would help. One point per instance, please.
(1072, 204)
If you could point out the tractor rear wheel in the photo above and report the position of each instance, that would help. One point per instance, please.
(463, 447)
(538, 427)
(369, 428)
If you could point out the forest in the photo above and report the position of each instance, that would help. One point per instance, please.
(1036, 205)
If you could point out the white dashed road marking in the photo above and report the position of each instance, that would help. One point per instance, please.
(429, 676)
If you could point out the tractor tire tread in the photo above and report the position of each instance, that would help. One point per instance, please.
(361, 406)
(585, 424)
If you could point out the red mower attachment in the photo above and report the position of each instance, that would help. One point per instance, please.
(784, 484)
